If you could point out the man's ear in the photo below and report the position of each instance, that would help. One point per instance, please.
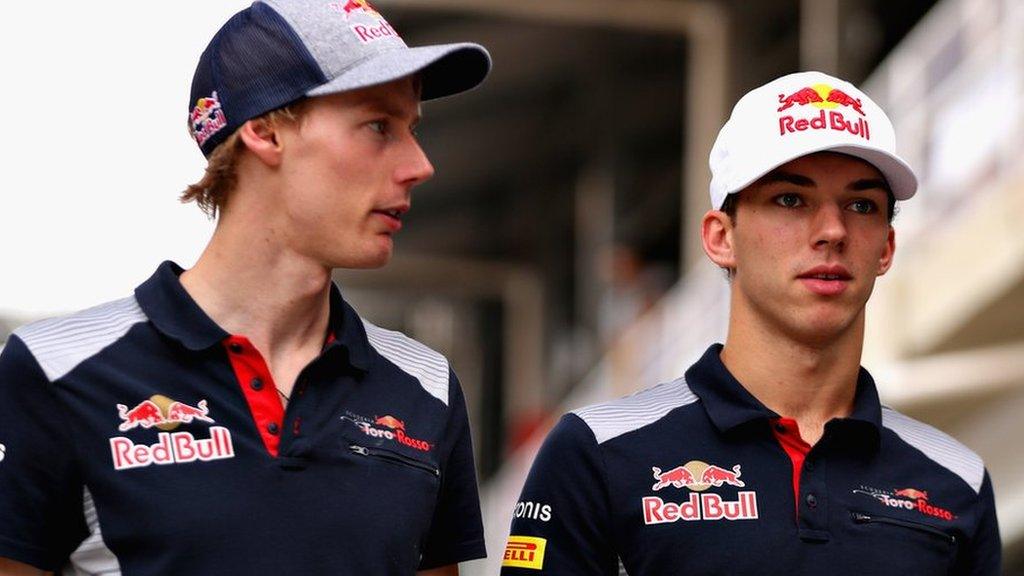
(716, 230)
(261, 137)
(885, 262)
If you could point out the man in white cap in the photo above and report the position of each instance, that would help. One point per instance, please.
(240, 417)
(772, 455)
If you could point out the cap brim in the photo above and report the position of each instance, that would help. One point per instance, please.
(897, 172)
(445, 69)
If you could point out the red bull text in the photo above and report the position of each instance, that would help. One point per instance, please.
(172, 448)
(367, 34)
(700, 507)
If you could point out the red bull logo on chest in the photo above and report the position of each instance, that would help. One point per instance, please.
(167, 414)
(835, 110)
(698, 476)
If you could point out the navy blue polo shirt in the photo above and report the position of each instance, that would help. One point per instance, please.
(140, 436)
(698, 477)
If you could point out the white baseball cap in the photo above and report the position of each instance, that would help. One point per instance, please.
(797, 115)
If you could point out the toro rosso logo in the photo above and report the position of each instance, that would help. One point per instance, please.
(827, 100)
(207, 118)
(697, 476)
(387, 428)
(166, 414)
(907, 499)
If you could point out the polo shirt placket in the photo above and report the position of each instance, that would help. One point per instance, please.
(697, 476)
(142, 437)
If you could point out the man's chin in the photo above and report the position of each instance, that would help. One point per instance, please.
(364, 261)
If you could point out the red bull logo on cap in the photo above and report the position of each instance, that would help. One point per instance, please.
(907, 499)
(166, 414)
(207, 118)
(365, 32)
(827, 100)
(698, 476)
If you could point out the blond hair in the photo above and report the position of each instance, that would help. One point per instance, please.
(221, 176)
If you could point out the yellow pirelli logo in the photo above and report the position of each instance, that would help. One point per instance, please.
(524, 552)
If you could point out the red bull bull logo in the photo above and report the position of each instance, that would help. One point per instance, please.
(698, 476)
(207, 118)
(350, 7)
(826, 100)
(162, 412)
(907, 499)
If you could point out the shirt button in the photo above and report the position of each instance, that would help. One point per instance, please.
(273, 428)
(812, 501)
(809, 466)
(235, 347)
(780, 427)
(256, 383)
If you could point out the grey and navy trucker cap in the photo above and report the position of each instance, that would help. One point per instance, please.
(277, 51)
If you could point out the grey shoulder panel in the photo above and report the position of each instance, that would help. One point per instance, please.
(937, 445)
(617, 417)
(61, 344)
(414, 358)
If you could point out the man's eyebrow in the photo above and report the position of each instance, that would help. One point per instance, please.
(787, 177)
(387, 107)
(869, 184)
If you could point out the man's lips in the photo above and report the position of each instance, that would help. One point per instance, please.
(392, 216)
(826, 280)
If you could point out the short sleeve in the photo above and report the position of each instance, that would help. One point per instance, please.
(984, 555)
(41, 517)
(561, 523)
(456, 531)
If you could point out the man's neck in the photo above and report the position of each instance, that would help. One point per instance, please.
(253, 288)
(811, 383)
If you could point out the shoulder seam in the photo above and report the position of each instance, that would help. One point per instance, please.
(938, 446)
(414, 358)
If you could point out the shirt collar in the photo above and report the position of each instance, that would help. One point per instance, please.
(729, 405)
(175, 314)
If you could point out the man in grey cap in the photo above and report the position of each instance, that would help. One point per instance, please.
(240, 417)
